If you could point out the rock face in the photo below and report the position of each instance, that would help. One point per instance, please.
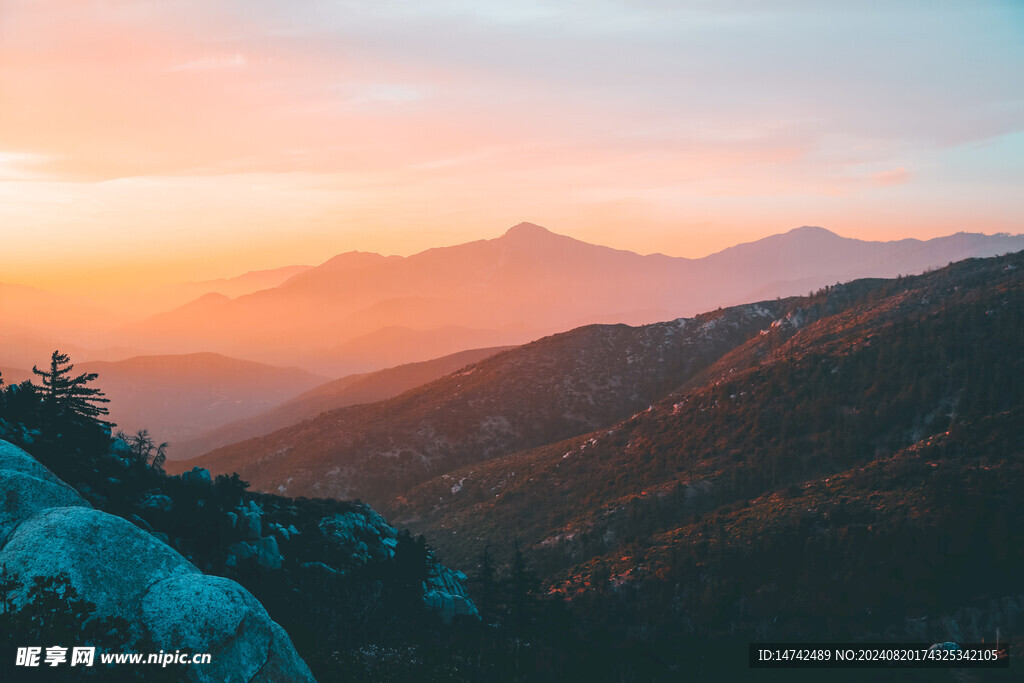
(444, 593)
(367, 534)
(47, 528)
(540, 393)
(246, 524)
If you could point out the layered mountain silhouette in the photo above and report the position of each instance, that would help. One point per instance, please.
(14, 375)
(179, 294)
(530, 395)
(339, 393)
(527, 283)
(841, 466)
(178, 397)
(722, 474)
(865, 425)
(35, 322)
(399, 345)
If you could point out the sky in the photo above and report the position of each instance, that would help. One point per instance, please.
(170, 140)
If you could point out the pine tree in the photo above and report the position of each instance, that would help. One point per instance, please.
(522, 586)
(65, 395)
(144, 449)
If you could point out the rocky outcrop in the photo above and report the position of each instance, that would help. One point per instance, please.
(445, 594)
(365, 534)
(27, 488)
(47, 528)
(246, 524)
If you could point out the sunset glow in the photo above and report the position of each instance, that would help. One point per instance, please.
(161, 142)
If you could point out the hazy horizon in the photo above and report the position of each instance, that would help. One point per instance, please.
(222, 277)
(540, 340)
(182, 142)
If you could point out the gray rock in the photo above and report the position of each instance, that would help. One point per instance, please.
(365, 535)
(23, 494)
(140, 522)
(250, 525)
(97, 551)
(13, 459)
(161, 536)
(157, 501)
(269, 555)
(201, 613)
(361, 533)
(448, 606)
(444, 593)
(46, 528)
(244, 550)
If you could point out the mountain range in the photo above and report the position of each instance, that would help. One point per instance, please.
(523, 285)
(361, 312)
(717, 477)
(180, 396)
(544, 391)
(840, 466)
(346, 391)
(871, 417)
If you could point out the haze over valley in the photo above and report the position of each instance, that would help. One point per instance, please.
(541, 341)
(219, 358)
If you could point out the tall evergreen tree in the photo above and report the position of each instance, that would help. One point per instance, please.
(65, 395)
(485, 582)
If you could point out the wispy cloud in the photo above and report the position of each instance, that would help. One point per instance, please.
(730, 115)
(213, 62)
(23, 165)
(382, 93)
(893, 176)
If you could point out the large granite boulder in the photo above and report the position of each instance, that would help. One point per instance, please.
(199, 613)
(47, 528)
(26, 488)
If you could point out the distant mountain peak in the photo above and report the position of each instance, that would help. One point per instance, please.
(527, 230)
(351, 259)
(812, 230)
(206, 301)
(212, 297)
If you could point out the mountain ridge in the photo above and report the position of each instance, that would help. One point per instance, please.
(824, 391)
(529, 278)
(175, 396)
(554, 387)
(339, 393)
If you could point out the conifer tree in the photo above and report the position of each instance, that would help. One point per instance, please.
(65, 394)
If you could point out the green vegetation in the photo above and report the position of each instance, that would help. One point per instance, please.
(66, 396)
(53, 613)
(854, 473)
(333, 603)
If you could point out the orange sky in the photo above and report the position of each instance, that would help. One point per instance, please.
(148, 141)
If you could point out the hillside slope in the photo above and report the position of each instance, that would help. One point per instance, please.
(865, 381)
(527, 282)
(339, 393)
(541, 392)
